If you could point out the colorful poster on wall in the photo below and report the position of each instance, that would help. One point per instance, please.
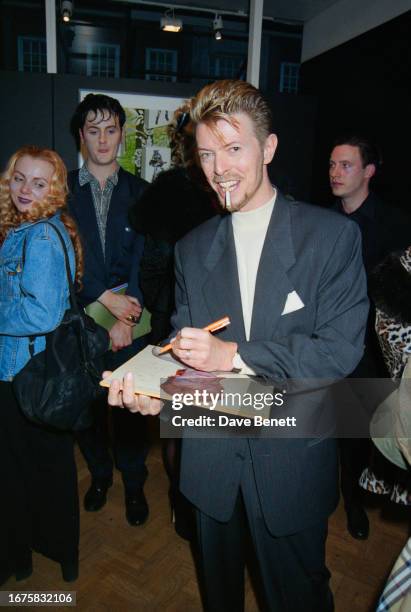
(145, 151)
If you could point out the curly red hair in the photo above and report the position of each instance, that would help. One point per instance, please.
(55, 200)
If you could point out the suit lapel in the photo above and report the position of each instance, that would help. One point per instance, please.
(114, 231)
(221, 289)
(272, 283)
(83, 208)
(117, 219)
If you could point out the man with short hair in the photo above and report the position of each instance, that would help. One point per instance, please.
(354, 162)
(290, 277)
(101, 193)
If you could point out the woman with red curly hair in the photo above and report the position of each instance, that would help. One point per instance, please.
(39, 510)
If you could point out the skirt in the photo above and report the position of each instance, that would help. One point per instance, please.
(40, 504)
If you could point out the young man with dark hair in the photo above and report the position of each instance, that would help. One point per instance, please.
(101, 194)
(90, 107)
(354, 162)
(290, 277)
(368, 151)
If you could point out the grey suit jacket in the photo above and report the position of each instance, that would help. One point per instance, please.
(316, 253)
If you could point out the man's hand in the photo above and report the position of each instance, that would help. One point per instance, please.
(126, 398)
(121, 306)
(121, 335)
(202, 351)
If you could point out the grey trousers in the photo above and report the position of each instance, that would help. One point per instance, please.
(292, 570)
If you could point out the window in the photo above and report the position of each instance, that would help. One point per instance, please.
(103, 60)
(159, 62)
(226, 66)
(32, 54)
(289, 77)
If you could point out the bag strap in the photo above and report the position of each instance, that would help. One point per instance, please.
(73, 301)
(23, 261)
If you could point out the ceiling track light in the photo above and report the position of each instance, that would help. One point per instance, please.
(169, 23)
(218, 27)
(66, 10)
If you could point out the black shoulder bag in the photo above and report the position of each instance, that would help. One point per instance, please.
(57, 385)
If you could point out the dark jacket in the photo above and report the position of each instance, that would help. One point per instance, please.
(316, 254)
(124, 247)
(383, 229)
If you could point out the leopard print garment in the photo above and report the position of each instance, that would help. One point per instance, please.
(395, 342)
(398, 493)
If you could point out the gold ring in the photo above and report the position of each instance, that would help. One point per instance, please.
(132, 318)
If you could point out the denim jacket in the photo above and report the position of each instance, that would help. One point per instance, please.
(33, 297)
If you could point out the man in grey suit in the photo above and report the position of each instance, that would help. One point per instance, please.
(290, 277)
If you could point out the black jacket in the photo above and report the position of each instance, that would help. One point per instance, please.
(383, 229)
(124, 247)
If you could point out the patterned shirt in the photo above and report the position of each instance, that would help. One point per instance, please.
(397, 593)
(101, 198)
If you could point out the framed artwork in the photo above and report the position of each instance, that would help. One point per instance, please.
(145, 151)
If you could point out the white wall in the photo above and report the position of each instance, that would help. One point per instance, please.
(347, 19)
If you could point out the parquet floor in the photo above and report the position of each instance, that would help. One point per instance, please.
(149, 568)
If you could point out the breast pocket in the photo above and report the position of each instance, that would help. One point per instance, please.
(298, 321)
(10, 277)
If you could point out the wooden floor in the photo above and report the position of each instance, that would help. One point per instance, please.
(150, 568)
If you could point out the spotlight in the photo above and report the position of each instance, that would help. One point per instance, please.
(66, 10)
(169, 23)
(218, 27)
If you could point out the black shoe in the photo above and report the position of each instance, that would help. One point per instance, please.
(357, 521)
(24, 566)
(96, 496)
(21, 573)
(136, 507)
(24, 572)
(69, 570)
(4, 576)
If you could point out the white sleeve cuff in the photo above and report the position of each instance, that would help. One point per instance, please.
(239, 364)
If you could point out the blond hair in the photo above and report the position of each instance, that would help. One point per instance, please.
(222, 99)
(55, 200)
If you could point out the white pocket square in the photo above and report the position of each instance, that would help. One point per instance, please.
(292, 303)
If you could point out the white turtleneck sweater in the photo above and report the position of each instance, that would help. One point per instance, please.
(250, 229)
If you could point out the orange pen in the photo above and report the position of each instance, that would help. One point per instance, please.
(212, 327)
